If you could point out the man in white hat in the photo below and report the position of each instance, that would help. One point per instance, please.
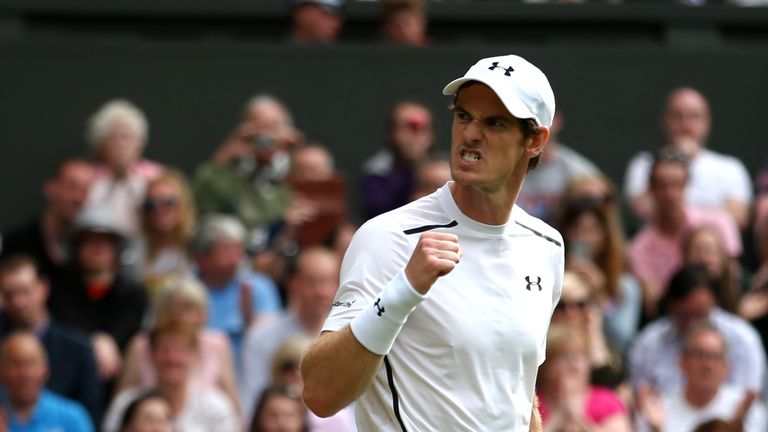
(444, 305)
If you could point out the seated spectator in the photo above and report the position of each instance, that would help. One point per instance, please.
(246, 176)
(594, 248)
(656, 252)
(284, 371)
(280, 410)
(184, 300)
(117, 134)
(311, 288)
(316, 21)
(545, 186)
(690, 299)
(237, 296)
(72, 369)
(567, 401)
(432, 173)
(578, 308)
(704, 246)
(404, 22)
(94, 296)
(388, 177)
(168, 222)
(717, 181)
(174, 347)
(45, 237)
(28, 406)
(706, 395)
(150, 412)
(316, 214)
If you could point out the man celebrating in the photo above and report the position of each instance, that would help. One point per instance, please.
(474, 276)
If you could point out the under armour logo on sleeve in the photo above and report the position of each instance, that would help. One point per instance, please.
(531, 283)
(507, 71)
(379, 310)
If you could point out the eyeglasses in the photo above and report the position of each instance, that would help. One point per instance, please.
(575, 305)
(152, 204)
(289, 366)
(700, 354)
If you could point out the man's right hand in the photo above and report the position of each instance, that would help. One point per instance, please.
(435, 255)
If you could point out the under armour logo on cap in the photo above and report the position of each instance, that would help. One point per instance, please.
(526, 93)
(507, 71)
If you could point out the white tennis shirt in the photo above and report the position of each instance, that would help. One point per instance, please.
(467, 358)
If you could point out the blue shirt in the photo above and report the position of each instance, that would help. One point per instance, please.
(53, 413)
(225, 312)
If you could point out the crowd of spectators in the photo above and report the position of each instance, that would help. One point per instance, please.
(142, 299)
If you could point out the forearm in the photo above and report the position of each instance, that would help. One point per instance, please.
(336, 370)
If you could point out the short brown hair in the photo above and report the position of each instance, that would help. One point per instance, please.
(13, 263)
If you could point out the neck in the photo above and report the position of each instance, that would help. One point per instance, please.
(671, 224)
(211, 280)
(176, 395)
(23, 409)
(699, 398)
(491, 208)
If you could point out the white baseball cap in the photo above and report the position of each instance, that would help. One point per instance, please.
(521, 86)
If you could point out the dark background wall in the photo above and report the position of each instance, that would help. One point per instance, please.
(610, 72)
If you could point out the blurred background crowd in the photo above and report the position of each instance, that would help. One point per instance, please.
(174, 293)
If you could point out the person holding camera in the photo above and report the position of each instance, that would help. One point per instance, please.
(245, 177)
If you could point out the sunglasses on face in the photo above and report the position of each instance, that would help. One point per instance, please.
(573, 305)
(152, 204)
(700, 354)
(289, 366)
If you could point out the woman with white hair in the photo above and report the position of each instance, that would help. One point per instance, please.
(185, 300)
(117, 134)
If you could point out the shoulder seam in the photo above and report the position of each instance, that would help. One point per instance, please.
(544, 236)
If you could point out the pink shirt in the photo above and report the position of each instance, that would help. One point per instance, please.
(206, 372)
(602, 403)
(654, 257)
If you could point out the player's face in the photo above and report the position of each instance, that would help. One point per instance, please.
(487, 145)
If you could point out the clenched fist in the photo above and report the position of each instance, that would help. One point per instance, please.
(435, 255)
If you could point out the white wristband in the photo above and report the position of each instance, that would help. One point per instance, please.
(377, 326)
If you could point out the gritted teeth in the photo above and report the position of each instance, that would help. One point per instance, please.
(470, 156)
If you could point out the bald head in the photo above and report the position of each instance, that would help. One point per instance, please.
(686, 118)
(313, 284)
(23, 368)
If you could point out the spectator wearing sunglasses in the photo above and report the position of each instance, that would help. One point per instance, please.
(580, 309)
(389, 176)
(167, 224)
(594, 248)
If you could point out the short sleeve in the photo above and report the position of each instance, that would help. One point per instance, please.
(741, 185)
(374, 257)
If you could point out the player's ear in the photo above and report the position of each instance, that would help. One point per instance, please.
(536, 142)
